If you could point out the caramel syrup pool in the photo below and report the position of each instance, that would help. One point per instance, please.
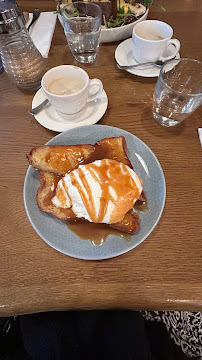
(96, 233)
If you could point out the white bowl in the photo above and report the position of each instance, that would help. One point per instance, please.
(118, 33)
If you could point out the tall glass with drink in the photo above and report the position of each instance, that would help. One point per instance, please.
(82, 26)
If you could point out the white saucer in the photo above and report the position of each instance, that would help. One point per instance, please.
(124, 56)
(53, 120)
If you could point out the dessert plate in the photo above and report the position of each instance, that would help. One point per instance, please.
(56, 233)
(53, 120)
(124, 56)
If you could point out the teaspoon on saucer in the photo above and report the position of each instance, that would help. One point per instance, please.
(158, 63)
(38, 108)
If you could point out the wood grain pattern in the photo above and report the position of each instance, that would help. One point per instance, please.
(161, 273)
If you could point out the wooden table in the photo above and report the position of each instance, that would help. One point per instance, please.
(161, 273)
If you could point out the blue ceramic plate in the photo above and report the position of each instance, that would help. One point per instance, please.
(56, 233)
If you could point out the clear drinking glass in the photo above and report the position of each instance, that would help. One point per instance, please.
(82, 25)
(178, 91)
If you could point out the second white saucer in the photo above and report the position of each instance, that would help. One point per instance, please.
(53, 120)
(124, 56)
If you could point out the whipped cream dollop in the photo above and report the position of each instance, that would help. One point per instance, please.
(101, 192)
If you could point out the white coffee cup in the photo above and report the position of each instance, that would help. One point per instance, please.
(71, 103)
(150, 39)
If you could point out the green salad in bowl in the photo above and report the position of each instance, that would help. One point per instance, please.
(118, 17)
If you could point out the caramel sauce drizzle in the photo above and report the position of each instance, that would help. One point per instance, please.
(141, 205)
(109, 174)
(61, 194)
(88, 202)
(58, 158)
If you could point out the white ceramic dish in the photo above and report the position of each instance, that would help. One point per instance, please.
(53, 120)
(124, 56)
(119, 33)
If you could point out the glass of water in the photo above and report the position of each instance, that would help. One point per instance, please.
(178, 91)
(82, 26)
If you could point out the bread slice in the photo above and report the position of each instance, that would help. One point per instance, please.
(111, 148)
(59, 159)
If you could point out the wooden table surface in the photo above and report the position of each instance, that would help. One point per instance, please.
(162, 273)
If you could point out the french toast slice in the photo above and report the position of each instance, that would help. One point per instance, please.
(111, 148)
(59, 159)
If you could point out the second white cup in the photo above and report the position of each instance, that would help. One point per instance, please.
(69, 88)
(150, 39)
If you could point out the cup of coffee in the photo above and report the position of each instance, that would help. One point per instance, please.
(150, 39)
(69, 88)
